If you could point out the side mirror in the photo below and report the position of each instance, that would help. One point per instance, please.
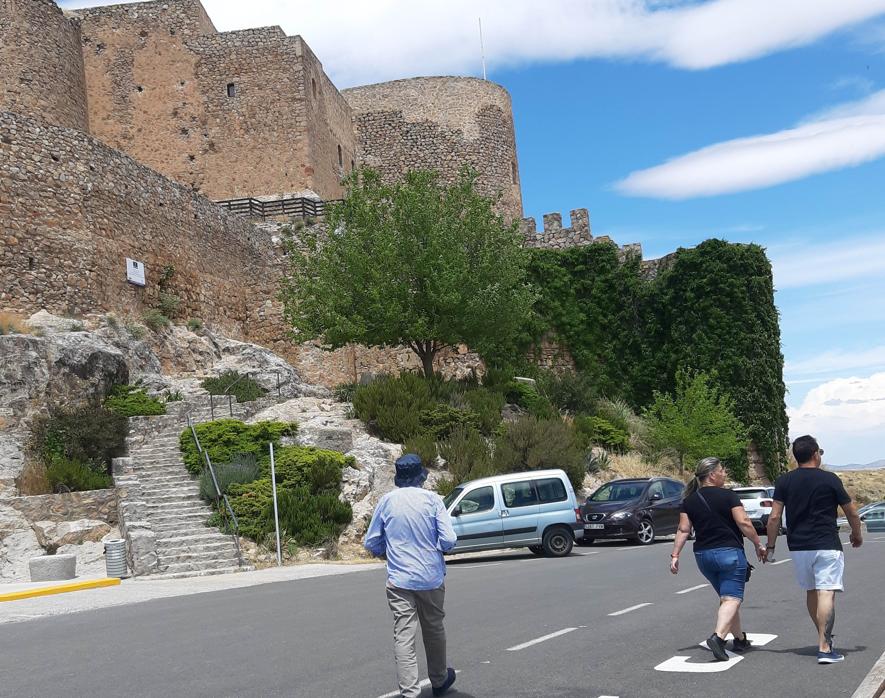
(655, 496)
(456, 511)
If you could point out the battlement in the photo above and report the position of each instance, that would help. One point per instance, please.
(555, 237)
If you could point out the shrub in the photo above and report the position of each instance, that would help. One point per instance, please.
(390, 405)
(173, 396)
(88, 435)
(440, 420)
(112, 321)
(486, 405)
(311, 519)
(601, 432)
(241, 386)
(527, 396)
(223, 439)
(168, 303)
(424, 445)
(155, 320)
(467, 456)
(344, 392)
(132, 401)
(617, 412)
(568, 391)
(194, 324)
(537, 444)
(317, 469)
(64, 474)
(76, 327)
(242, 469)
(250, 503)
(135, 330)
(596, 461)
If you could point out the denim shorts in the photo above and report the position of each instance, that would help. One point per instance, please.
(725, 569)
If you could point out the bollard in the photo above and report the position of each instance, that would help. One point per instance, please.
(115, 557)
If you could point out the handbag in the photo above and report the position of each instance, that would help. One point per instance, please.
(750, 567)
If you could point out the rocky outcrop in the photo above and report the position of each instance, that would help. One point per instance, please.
(52, 535)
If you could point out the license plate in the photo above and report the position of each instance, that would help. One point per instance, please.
(594, 527)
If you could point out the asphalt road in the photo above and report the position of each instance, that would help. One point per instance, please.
(331, 637)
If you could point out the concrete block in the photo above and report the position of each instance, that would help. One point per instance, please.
(48, 568)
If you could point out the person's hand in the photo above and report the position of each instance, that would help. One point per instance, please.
(762, 553)
(856, 540)
(674, 565)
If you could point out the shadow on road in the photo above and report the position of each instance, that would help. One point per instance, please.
(811, 650)
(516, 555)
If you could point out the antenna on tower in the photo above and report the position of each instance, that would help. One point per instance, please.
(482, 50)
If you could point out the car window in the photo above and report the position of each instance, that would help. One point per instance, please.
(672, 488)
(519, 494)
(551, 490)
(480, 499)
(452, 496)
(751, 494)
(874, 514)
(656, 489)
(617, 492)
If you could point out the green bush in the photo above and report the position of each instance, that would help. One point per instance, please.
(487, 406)
(168, 303)
(155, 320)
(601, 432)
(243, 388)
(194, 324)
(64, 474)
(568, 391)
(133, 401)
(424, 445)
(538, 444)
(596, 462)
(243, 469)
(250, 503)
(390, 405)
(135, 330)
(224, 438)
(528, 397)
(311, 519)
(440, 420)
(344, 392)
(173, 396)
(87, 435)
(467, 456)
(317, 469)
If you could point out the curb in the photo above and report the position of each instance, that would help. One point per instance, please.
(60, 588)
(873, 685)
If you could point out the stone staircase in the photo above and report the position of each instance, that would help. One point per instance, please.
(161, 514)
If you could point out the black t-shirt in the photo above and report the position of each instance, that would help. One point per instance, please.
(714, 527)
(810, 497)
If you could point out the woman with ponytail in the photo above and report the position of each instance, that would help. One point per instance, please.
(720, 524)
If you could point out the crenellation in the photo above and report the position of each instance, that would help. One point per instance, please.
(553, 235)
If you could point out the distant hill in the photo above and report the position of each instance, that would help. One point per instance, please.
(875, 465)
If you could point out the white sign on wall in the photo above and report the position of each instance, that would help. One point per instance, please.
(134, 272)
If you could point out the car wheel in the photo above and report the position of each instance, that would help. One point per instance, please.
(646, 533)
(558, 542)
(537, 549)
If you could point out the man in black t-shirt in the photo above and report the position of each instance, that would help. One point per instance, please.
(811, 495)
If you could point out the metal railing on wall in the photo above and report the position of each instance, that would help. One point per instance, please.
(259, 208)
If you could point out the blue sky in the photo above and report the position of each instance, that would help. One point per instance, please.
(674, 121)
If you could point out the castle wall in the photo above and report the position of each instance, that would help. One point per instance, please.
(41, 67)
(440, 123)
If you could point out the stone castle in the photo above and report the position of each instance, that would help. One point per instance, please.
(121, 126)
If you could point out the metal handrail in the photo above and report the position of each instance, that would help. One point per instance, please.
(220, 495)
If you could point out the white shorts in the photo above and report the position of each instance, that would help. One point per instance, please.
(818, 569)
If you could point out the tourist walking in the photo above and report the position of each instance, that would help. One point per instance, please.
(412, 528)
(811, 496)
(720, 524)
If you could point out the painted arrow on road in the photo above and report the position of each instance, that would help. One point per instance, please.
(682, 663)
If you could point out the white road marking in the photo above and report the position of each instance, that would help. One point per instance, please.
(699, 586)
(483, 564)
(595, 552)
(681, 663)
(780, 562)
(632, 608)
(632, 547)
(422, 684)
(538, 640)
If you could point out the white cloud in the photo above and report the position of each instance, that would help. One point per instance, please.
(362, 42)
(844, 136)
(836, 361)
(810, 265)
(847, 416)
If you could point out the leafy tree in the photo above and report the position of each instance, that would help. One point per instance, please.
(414, 263)
(698, 422)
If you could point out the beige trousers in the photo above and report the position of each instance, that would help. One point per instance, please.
(409, 609)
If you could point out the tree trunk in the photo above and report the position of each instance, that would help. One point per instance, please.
(427, 362)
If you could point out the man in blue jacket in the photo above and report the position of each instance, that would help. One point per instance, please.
(412, 528)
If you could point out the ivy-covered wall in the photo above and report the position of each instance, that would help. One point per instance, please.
(709, 308)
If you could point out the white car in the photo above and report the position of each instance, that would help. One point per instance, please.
(757, 501)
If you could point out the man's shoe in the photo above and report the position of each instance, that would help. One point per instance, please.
(741, 645)
(830, 657)
(717, 645)
(447, 684)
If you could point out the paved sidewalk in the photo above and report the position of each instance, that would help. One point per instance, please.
(144, 589)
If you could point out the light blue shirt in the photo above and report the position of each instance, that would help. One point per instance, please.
(412, 527)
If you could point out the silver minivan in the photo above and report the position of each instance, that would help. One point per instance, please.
(536, 509)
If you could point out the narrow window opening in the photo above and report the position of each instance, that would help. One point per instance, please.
(352, 165)
(231, 89)
(30, 262)
(313, 87)
(340, 157)
(513, 172)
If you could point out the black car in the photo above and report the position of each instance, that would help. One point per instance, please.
(637, 509)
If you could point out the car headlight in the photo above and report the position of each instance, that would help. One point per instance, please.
(618, 515)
